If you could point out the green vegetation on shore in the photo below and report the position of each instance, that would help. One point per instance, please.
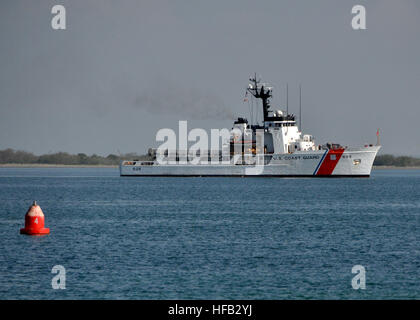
(401, 161)
(9, 156)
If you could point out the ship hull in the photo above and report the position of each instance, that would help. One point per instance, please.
(320, 163)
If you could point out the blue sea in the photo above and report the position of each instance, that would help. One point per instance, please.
(210, 238)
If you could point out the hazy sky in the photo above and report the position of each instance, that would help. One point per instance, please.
(124, 69)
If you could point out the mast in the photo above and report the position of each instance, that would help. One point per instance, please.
(300, 107)
(287, 99)
(260, 91)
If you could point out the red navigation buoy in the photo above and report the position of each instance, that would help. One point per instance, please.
(34, 221)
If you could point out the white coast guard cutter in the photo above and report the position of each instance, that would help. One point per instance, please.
(286, 152)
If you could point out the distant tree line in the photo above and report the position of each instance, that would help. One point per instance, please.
(402, 161)
(23, 157)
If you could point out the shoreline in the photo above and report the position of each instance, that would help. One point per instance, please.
(45, 165)
(394, 167)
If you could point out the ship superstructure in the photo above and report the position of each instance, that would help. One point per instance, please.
(277, 148)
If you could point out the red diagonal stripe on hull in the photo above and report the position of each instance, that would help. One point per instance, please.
(328, 165)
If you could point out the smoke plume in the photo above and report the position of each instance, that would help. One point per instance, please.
(188, 103)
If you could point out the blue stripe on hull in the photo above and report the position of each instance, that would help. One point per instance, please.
(319, 164)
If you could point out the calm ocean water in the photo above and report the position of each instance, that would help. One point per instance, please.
(210, 238)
